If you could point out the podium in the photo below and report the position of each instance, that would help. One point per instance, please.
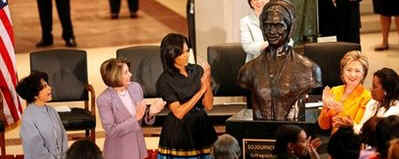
(257, 137)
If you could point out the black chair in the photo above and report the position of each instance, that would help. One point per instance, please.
(328, 57)
(146, 67)
(225, 61)
(67, 71)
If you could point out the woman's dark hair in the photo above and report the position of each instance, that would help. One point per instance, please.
(368, 129)
(84, 149)
(172, 47)
(387, 129)
(344, 144)
(284, 135)
(390, 83)
(29, 87)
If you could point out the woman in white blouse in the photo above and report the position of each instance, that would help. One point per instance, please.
(251, 36)
(252, 40)
(385, 93)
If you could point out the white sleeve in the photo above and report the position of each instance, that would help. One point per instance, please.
(371, 108)
(248, 43)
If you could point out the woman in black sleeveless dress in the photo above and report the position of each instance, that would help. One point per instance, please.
(187, 131)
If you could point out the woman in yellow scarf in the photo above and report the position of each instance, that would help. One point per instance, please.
(345, 104)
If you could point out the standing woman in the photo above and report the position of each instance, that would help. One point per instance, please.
(387, 9)
(385, 95)
(121, 109)
(42, 133)
(187, 131)
(344, 105)
(251, 36)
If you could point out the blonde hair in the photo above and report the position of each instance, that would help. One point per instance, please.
(352, 56)
(111, 71)
(393, 152)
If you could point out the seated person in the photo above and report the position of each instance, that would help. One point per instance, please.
(368, 137)
(344, 144)
(345, 104)
(387, 129)
(385, 95)
(84, 149)
(293, 143)
(278, 78)
(226, 147)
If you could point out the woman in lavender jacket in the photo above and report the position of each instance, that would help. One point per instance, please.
(121, 109)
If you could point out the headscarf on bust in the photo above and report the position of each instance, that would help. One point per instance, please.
(283, 7)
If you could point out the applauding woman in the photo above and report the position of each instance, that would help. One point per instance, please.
(121, 109)
(292, 142)
(187, 131)
(385, 95)
(344, 105)
(42, 133)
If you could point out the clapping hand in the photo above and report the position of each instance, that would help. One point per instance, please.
(342, 121)
(330, 102)
(312, 145)
(206, 76)
(140, 109)
(157, 106)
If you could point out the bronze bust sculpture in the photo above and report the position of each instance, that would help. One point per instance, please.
(279, 78)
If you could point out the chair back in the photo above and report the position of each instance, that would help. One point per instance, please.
(225, 61)
(145, 66)
(328, 57)
(67, 72)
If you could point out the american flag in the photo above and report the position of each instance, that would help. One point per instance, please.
(8, 75)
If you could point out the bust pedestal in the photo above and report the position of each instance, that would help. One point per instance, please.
(256, 137)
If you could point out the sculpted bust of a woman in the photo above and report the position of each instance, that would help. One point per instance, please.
(279, 78)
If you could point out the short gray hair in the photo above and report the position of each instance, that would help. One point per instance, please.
(226, 147)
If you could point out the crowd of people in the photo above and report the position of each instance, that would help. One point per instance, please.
(363, 123)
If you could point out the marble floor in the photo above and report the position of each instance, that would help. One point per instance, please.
(93, 27)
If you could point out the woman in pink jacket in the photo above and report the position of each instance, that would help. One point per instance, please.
(121, 109)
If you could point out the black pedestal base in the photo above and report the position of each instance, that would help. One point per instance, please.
(260, 134)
